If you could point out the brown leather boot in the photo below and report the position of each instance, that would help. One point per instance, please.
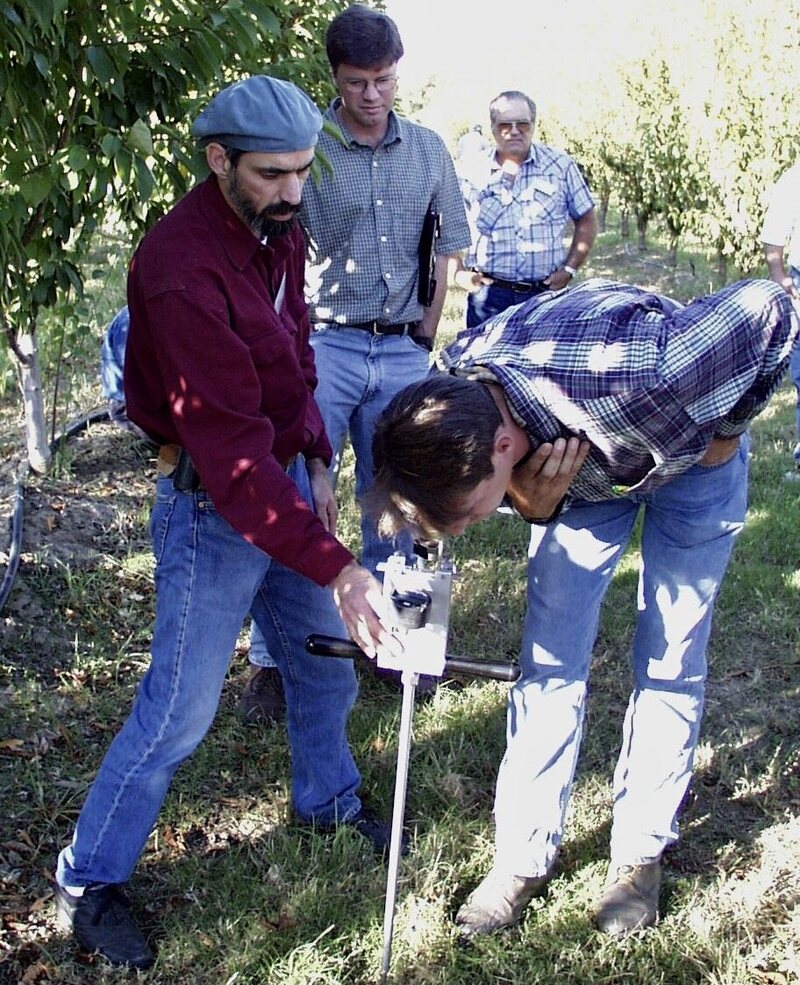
(262, 699)
(630, 899)
(498, 902)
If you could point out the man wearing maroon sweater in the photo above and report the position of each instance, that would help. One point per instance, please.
(219, 372)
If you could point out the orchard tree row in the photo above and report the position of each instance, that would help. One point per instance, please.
(98, 98)
(696, 141)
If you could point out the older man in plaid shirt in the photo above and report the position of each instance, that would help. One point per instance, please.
(650, 401)
(519, 201)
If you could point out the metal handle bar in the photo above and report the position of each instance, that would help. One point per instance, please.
(332, 646)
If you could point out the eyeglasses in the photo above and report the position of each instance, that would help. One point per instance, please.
(506, 126)
(384, 83)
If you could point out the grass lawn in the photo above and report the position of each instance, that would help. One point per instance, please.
(233, 891)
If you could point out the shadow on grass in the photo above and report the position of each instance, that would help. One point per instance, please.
(232, 886)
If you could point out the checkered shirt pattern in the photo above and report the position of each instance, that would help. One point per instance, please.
(518, 232)
(647, 381)
(364, 222)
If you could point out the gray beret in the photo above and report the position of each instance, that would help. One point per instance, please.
(260, 114)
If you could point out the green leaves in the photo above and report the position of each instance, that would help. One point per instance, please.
(696, 143)
(110, 144)
(144, 179)
(41, 64)
(96, 110)
(78, 158)
(102, 65)
(263, 14)
(43, 11)
(139, 138)
(35, 188)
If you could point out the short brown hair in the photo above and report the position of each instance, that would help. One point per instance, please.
(362, 37)
(432, 445)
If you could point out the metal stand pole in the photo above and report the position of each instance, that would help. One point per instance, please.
(329, 646)
(410, 681)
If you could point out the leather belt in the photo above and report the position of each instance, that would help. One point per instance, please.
(521, 286)
(377, 328)
(169, 454)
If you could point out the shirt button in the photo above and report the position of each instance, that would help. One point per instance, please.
(388, 276)
(379, 201)
(383, 239)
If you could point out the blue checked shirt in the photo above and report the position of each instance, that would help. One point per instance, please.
(647, 381)
(518, 229)
(364, 222)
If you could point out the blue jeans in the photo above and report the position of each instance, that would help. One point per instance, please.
(689, 529)
(207, 579)
(112, 355)
(489, 301)
(358, 375)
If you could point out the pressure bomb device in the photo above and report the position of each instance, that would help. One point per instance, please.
(420, 595)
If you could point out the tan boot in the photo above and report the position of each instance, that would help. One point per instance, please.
(630, 899)
(498, 902)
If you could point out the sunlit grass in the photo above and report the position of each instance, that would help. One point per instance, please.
(232, 890)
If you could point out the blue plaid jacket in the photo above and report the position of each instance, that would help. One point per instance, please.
(647, 381)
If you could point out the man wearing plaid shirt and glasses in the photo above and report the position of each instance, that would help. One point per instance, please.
(519, 200)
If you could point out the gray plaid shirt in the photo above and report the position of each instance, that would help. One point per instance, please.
(364, 222)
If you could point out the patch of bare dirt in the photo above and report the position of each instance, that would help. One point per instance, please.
(100, 482)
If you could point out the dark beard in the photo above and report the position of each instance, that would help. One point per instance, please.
(265, 225)
(261, 223)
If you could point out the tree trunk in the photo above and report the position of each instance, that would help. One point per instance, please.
(722, 267)
(641, 229)
(31, 387)
(672, 253)
(624, 226)
(602, 215)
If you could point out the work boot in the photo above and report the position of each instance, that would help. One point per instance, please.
(99, 921)
(262, 699)
(498, 902)
(377, 831)
(630, 899)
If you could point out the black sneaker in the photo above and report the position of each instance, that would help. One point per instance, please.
(377, 831)
(99, 921)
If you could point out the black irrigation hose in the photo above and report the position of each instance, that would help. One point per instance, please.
(17, 517)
